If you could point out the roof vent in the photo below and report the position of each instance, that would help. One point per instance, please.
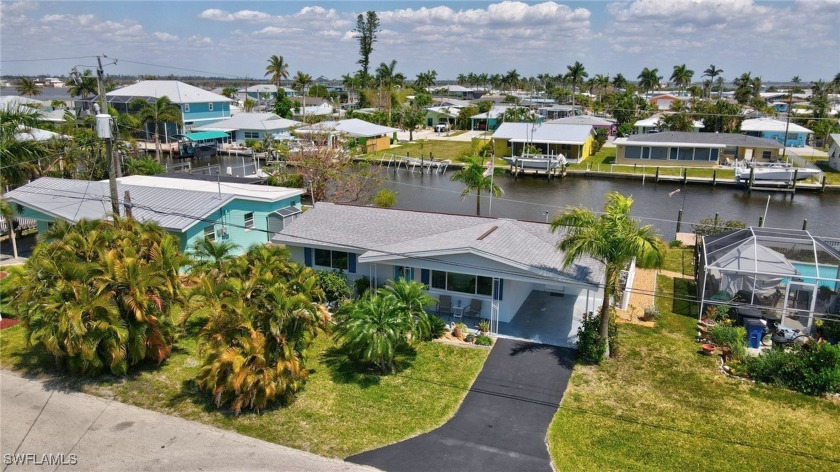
(487, 233)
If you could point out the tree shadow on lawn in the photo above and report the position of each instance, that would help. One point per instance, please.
(683, 298)
(345, 369)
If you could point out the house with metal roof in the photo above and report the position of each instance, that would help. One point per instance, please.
(509, 272)
(489, 120)
(198, 106)
(248, 126)
(574, 142)
(189, 209)
(554, 112)
(593, 121)
(654, 124)
(688, 149)
(368, 136)
(789, 134)
(456, 90)
(442, 115)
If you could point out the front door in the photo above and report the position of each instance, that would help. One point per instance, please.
(799, 306)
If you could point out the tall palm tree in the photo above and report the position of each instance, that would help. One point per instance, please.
(511, 79)
(8, 214)
(277, 69)
(619, 81)
(426, 79)
(229, 92)
(575, 75)
(84, 86)
(26, 86)
(300, 82)
(474, 180)
(388, 76)
(682, 76)
(614, 238)
(649, 79)
(711, 73)
(157, 113)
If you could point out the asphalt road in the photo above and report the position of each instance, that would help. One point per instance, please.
(502, 424)
(92, 433)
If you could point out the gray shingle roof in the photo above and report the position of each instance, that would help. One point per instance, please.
(726, 139)
(73, 200)
(380, 234)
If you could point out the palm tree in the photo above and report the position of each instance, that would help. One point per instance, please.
(300, 82)
(209, 254)
(575, 75)
(388, 76)
(229, 92)
(711, 73)
(156, 113)
(649, 79)
(84, 86)
(619, 81)
(373, 328)
(426, 79)
(835, 82)
(474, 179)
(277, 69)
(19, 157)
(682, 76)
(511, 79)
(26, 86)
(613, 238)
(8, 215)
(412, 298)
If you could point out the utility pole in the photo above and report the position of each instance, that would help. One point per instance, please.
(109, 151)
(787, 126)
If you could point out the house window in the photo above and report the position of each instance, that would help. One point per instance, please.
(632, 152)
(333, 259)
(659, 153)
(701, 154)
(464, 283)
(210, 232)
(401, 272)
(251, 134)
(210, 107)
(249, 220)
(186, 108)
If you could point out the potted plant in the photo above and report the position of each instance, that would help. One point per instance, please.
(459, 331)
(484, 327)
(708, 349)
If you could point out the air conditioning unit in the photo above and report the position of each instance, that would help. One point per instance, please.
(221, 232)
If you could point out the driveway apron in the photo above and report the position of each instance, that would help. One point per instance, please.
(502, 423)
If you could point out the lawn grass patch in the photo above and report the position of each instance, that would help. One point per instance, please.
(664, 406)
(680, 260)
(439, 148)
(342, 410)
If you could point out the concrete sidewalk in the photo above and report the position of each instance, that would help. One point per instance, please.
(37, 417)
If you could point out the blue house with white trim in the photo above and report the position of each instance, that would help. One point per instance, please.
(244, 214)
(770, 128)
(198, 106)
(510, 268)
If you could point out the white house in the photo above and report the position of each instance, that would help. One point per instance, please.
(511, 268)
(243, 126)
(834, 151)
(652, 124)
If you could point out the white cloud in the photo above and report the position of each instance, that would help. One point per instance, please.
(166, 37)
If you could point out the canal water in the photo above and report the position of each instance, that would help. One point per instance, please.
(536, 198)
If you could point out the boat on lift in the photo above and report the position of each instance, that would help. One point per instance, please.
(537, 161)
(775, 173)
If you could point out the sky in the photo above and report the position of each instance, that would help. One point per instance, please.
(775, 40)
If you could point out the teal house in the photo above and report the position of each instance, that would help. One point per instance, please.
(243, 214)
(198, 106)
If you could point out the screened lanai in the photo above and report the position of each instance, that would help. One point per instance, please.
(785, 275)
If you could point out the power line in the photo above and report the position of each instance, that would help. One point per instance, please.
(47, 59)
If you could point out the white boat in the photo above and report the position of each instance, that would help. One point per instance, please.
(537, 161)
(775, 173)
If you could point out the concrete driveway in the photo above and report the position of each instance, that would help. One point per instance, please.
(42, 424)
(502, 424)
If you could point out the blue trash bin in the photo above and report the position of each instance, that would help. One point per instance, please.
(755, 330)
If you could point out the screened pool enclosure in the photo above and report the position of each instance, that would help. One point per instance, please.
(784, 275)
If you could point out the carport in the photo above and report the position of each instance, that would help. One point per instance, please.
(549, 317)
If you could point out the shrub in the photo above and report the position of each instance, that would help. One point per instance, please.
(675, 244)
(483, 340)
(361, 286)
(813, 368)
(589, 343)
(733, 337)
(144, 166)
(437, 326)
(484, 326)
(334, 284)
(707, 226)
(385, 198)
(830, 328)
(651, 313)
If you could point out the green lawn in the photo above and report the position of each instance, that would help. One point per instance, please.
(832, 176)
(440, 149)
(679, 260)
(342, 411)
(603, 161)
(663, 406)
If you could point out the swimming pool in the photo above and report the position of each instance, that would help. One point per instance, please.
(809, 274)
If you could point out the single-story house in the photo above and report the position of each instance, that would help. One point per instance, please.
(312, 106)
(771, 128)
(489, 120)
(666, 101)
(687, 149)
(511, 268)
(265, 92)
(198, 106)
(442, 115)
(771, 274)
(575, 142)
(247, 126)
(593, 121)
(555, 112)
(368, 136)
(834, 151)
(459, 91)
(652, 124)
(189, 209)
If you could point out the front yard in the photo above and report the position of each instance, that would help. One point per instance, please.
(439, 148)
(663, 406)
(341, 411)
(604, 161)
